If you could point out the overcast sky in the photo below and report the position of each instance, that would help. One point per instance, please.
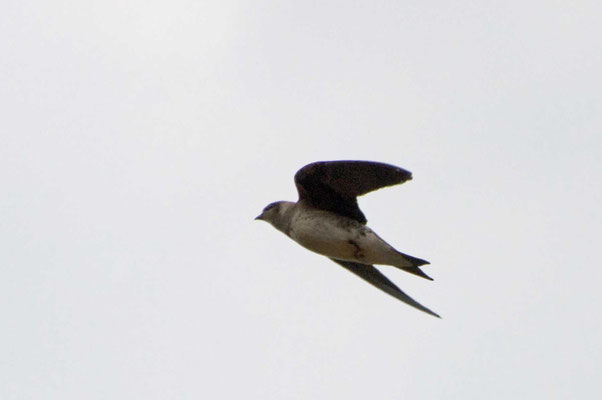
(141, 138)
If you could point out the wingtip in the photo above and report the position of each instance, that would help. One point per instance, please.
(376, 278)
(427, 310)
(430, 312)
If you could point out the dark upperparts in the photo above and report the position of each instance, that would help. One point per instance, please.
(334, 185)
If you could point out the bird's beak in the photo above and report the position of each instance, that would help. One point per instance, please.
(260, 217)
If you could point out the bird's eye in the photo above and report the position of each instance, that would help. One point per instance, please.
(270, 206)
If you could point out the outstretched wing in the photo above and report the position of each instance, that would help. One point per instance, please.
(376, 278)
(334, 185)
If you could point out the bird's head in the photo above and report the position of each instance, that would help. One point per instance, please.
(274, 213)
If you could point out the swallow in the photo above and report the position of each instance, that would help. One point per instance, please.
(327, 220)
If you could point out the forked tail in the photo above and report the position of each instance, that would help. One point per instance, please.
(412, 264)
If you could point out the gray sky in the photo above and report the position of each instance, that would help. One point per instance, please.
(141, 138)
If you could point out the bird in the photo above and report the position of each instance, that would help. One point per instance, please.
(327, 220)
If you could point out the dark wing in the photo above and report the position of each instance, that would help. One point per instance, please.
(376, 278)
(334, 185)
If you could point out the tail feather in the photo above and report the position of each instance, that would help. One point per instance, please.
(415, 261)
(417, 271)
(414, 267)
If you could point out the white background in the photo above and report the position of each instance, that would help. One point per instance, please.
(139, 139)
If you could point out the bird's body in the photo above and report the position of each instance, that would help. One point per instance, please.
(327, 220)
(333, 236)
(342, 238)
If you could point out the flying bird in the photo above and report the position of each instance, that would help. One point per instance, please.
(327, 220)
